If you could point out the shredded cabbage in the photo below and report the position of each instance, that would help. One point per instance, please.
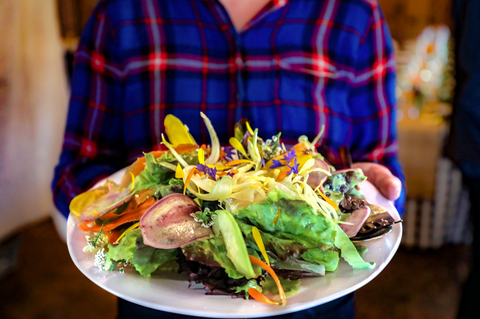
(215, 154)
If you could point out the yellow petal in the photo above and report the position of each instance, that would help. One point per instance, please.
(237, 145)
(302, 158)
(308, 164)
(176, 131)
(237, 162)
(201, 156)
(259, 241)
(84, 199)
(126, 231)
(179, 172)
(275, 220)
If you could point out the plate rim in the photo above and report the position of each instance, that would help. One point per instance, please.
(395, 235)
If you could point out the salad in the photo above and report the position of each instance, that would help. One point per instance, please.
(246, 220)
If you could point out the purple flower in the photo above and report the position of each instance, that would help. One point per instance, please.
(276, 164)
(212, 172)
(231, 154)
(294, 168)
(231, 174)
(289, 156)
(202, 168)
(262, 161)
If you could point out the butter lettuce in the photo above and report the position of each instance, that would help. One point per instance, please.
(144, 258)
(349, 252)
(298, 231)
(147, 259)
(328, 258)
(210, 252)
(153, 175)
(295, 217)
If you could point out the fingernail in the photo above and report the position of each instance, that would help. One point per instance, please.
(394, 190)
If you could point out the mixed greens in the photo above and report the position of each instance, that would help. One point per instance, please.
(236, 218)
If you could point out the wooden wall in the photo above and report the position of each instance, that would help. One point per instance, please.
(407, 18)
(73, 15)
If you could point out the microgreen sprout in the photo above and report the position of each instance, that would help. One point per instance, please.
(276, 139)
(206, 218)
(114, 264)
(94, 242)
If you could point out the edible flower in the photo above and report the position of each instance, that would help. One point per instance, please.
(286, 158)
(259, 296)
(262, 162)
(231, 154)
(289, 156)
(293, 168)
(276, 164)
(207, 170)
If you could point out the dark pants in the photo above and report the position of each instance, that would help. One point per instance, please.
(470, 302)
(342, 308)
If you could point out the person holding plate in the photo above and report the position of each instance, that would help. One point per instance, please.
(287, 66)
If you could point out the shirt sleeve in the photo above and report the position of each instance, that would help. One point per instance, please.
(374, 90)
(93, 145)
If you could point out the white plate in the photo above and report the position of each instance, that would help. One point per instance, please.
(170, 292)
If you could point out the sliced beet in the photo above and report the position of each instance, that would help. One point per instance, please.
(105, 204)
(357, 219)
(168, 223)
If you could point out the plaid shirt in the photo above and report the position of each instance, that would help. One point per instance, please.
(296, 66)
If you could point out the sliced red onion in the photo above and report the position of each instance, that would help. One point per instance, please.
(168, 224)
(357, 219)
(105, 204)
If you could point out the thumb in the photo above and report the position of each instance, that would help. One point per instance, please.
(387, 184)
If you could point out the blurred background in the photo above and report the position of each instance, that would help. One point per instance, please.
(38, 278)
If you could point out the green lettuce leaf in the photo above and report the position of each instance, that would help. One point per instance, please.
(328, 258)
(302, 267)
(174, 186)
(126, 248)
(211, 252)
(296, 218)
(250, 284)
(349, 252)
(281, 247)
(147, 259)
(290, 287)
(144, 258)
(298, 230)
(153, 174)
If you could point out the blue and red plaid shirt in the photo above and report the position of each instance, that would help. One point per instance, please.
(296, 66)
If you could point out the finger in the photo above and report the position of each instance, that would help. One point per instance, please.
(381, 177)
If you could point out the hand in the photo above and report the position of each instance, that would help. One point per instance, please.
(381, 177)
